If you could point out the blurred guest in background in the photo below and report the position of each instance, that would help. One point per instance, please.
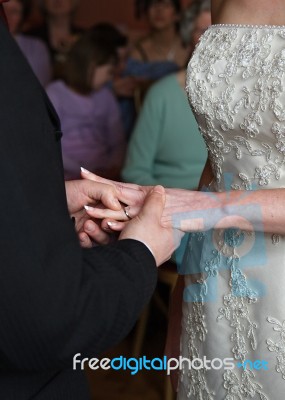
(58, 300)
(58, 30)
(166, 146)
(162, 50)
(34, 49)
(108, 33)
(122, 86)
(93, 136)
(159, 53)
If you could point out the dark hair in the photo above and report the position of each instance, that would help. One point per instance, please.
(108, 33)
(27, 7)
(85, 55)
(141, 6)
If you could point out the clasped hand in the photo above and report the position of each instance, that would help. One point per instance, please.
(79, 194)
(86, 197)
(184, 210)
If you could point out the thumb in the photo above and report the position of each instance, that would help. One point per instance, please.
(154, 203)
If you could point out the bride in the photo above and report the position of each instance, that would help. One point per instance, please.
(230, 301)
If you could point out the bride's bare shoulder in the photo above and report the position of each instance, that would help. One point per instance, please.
(249, 11)
(247, 3)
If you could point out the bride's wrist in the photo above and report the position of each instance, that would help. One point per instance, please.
(195, 211)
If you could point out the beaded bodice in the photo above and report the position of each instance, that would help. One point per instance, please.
(235, 84)
(233, 302)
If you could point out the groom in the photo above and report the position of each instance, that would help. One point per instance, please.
(57, 300)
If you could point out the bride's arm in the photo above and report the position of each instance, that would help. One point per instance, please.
(260, 210)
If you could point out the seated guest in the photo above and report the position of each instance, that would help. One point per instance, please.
(34, 49)
(93, 136)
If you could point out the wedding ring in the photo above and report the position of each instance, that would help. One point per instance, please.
(126, 209)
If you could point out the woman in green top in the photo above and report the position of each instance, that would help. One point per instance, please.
(166, 147)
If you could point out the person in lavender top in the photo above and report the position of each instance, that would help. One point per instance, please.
(93, 136)
(34, 49)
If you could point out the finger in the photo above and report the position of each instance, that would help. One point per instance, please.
(109, 198)
(112, 225)
(130, 196)
(84, 240)
(128, 193)
(95, 233)
(103, 213)
(154, 204)
(85, 174)
(107, 194)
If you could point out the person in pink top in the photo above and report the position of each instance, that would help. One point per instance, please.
(93, 135)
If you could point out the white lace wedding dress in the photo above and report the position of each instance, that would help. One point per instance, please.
(234, 300)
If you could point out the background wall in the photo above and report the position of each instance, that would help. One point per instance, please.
(116, 11)
(119, 12)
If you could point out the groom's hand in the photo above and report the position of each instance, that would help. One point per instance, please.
(129, 194)
(81, 193)
(147, 228)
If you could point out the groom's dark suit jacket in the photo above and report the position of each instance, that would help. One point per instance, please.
(56, 299)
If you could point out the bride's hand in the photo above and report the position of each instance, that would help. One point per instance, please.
(131, 195)
(186, 210)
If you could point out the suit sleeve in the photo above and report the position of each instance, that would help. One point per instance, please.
(56, 299)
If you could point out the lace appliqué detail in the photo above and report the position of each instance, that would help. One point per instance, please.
(275, 239)
(223, 55)
(196, 330)
(236, 311)
(244, 388)
(235, 85)
(279, 346)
